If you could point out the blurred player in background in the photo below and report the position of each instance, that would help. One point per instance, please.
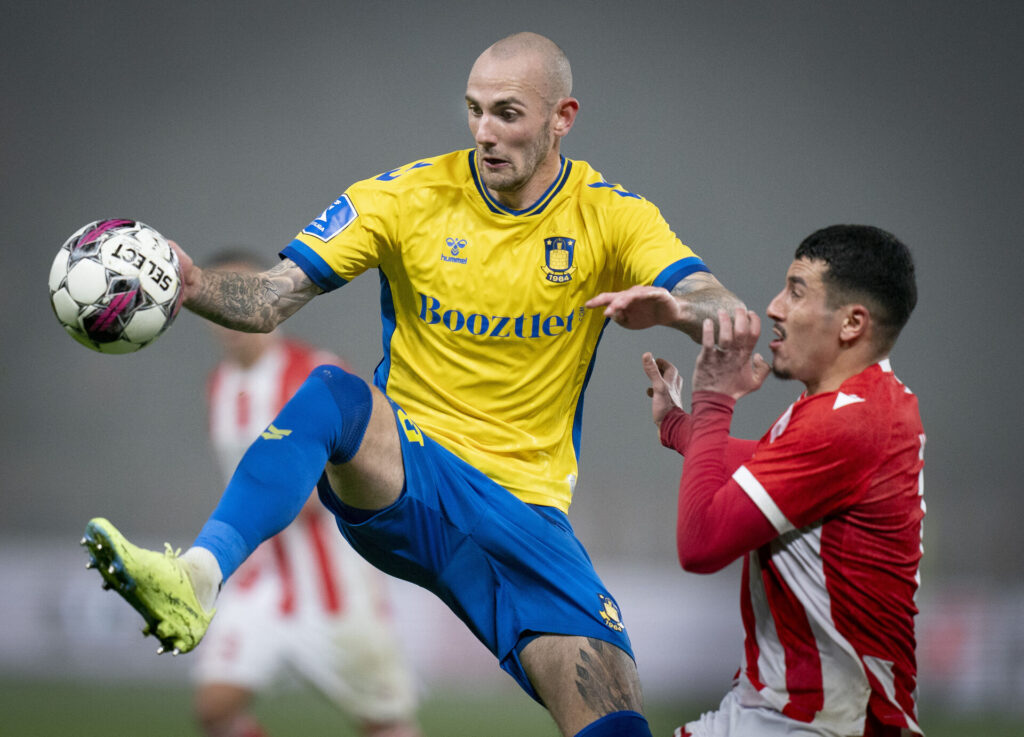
(305, 602)
(499, 267)
(827, 507)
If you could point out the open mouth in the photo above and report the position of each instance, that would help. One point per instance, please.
(488, 159)
(493, 162)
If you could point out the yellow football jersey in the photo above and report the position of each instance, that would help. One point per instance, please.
(488, 347)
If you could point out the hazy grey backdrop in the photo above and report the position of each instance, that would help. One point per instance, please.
(749, 123)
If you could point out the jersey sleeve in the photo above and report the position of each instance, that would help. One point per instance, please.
(347, 238)
(676, 430)
(649, 252)
(716, 521)
(814, 467)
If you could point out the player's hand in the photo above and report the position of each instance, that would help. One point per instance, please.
(190, 273)
(730, 366)
(639, 307)
(666, 389)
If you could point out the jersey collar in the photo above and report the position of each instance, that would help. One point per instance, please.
(537, 207)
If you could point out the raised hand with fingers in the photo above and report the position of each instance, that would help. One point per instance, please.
(640, 307)
(730, 366)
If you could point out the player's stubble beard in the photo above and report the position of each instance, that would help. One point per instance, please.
(533, 156)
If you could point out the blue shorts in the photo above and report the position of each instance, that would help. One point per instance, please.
(508, 569)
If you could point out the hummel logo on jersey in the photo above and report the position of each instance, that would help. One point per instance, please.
(273, 433)
(453, 247)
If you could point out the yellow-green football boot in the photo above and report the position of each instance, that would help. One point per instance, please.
(156, 584)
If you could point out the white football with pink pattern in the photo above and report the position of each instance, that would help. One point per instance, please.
(115, 285)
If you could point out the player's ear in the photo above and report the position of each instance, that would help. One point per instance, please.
(565, 115)
(856, 322)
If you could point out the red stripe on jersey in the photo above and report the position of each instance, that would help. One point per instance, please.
(284, 570)
(750, 647)
(298, 364)
(247, 575)
(331, 589)
(301, 360)
(874, 728)
(212, 389)
(803, 661)
(243, 406)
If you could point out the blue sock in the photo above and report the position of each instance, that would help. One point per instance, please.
(324, 421)
(618, 724)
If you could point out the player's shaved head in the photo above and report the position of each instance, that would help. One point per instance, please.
(519, 107)
(546, 60)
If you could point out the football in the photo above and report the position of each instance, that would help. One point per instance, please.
(115, 285)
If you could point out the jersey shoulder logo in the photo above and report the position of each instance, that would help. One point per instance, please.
(844, 399)
(558, 259)
(341, 214)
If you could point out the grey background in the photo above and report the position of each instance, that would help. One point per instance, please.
(750, 124)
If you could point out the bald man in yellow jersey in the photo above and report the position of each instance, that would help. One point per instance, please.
(499, 269)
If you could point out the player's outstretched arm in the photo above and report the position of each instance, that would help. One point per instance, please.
(250, 302)
(694, 299)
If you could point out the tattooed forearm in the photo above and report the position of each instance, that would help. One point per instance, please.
(703, 297)
(252, 302)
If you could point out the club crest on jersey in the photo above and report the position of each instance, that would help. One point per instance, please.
(558, 253)
(452, 248)
(610, 614)
(333, 220)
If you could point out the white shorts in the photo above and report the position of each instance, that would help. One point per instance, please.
(351, 654)
(733, 719)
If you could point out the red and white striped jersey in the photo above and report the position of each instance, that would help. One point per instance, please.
(309, 555)
(242, 401)
(828, 606)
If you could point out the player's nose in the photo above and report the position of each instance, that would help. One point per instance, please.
(484, 133)
(774, 310)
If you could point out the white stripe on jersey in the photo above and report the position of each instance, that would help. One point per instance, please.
(771, 656)
(882, 670)
(761, 498)
(797, 558)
